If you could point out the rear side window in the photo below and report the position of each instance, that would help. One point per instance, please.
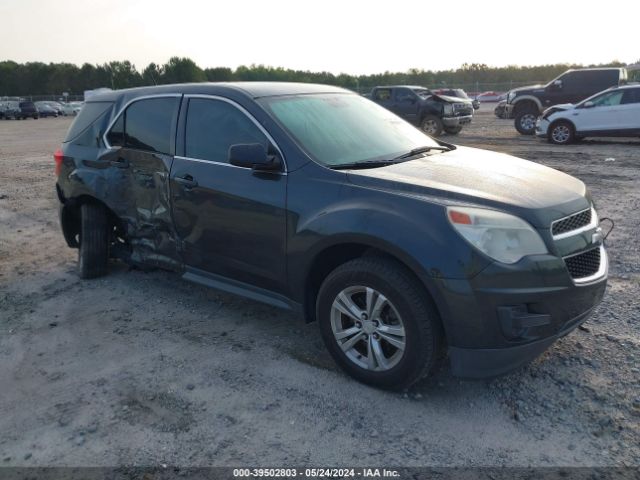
(89, 116)
(213, 126)
(631, 95)
(146, 125)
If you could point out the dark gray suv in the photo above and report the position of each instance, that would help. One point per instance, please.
(316, 200)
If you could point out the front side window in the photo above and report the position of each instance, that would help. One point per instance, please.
(146, 125)
(404, 94)
(608, 99)
(213, 126)
(336, 129)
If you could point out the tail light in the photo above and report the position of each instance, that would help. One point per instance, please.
(58, 157)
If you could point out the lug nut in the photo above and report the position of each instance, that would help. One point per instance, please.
(376, 336)
(376, 323)
(358, 325)
(366, 337)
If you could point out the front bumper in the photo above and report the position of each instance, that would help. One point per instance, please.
(506, 316)
(542, 126)
(457, 121)
(508, 110)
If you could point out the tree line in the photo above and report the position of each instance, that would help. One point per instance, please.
(37, 78)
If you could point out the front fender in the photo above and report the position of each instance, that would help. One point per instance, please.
(413, 230)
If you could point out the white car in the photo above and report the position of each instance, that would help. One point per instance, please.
(612, 113)
(72, 108)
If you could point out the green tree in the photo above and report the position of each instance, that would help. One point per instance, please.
(181, 70)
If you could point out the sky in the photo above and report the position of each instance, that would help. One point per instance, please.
(355, 37)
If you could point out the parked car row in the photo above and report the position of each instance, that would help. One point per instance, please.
(21, 110)
(590, 102)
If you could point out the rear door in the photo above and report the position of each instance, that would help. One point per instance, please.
(142, 141)
(630, 110)
(230, 220)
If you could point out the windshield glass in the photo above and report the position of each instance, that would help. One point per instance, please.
(336, 129)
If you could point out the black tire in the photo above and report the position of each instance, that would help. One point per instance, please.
(561, 133)
(525, 122)
(453, 130)
(423, 337)
(93, 252)
(432, 125)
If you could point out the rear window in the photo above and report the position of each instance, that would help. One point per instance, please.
(85, 128)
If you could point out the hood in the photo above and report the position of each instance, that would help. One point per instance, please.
(527, 89)
(479, 177)
(449, 99)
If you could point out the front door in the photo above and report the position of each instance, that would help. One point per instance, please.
(605, 113)
(230, 221)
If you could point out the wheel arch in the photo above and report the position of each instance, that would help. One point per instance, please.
(522, 102)
(70, 215)
(332, 256)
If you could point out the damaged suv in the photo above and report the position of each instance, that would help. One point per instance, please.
(316, 200)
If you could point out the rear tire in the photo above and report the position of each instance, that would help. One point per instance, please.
(432, 125)
(93, 252)
(394, 329)
(525, 122)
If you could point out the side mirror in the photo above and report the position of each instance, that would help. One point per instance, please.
(588, 105)
(556, 85)
(254, 156)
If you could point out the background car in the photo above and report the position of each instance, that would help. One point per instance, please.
(490, 96)
(46, 110)
(72, 108)
(458, 93)
(612, 113)
(21, 111)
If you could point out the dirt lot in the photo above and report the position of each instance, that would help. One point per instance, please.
(144, 368)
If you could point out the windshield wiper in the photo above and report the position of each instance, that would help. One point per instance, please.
(419, 150)
(364, 164)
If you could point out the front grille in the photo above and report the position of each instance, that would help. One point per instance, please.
(584, 264)
(572, 222)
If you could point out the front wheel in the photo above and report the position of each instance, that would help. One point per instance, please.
(561, 133)
(93, 252)
(525, 122)
(378, 324)
(432, 126)
(453, 130)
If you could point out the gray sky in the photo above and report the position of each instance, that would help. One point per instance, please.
(355, 37)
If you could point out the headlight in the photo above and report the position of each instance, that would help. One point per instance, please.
(511, 96)
(503, 237)
(447, 108)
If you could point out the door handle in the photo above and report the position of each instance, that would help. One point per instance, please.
(186, 180)
(120, 163)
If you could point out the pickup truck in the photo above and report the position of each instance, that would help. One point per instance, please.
(432, 113)
(525, 104)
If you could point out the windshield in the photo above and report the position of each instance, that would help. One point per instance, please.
(337, 129)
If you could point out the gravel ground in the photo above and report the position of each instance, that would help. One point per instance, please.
(144, 368)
